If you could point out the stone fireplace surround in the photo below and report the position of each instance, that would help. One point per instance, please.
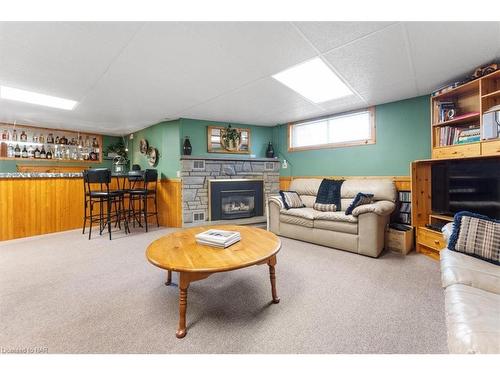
(195, 180)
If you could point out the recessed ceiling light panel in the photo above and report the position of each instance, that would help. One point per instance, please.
(25, 96)
(314, 80)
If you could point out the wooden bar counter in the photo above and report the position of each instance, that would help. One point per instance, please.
(39, 203)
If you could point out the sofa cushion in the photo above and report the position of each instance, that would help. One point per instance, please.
(458, 268)
(308, 200)
(305, 217)
(476, 235)
(306, 186)
(472, 320)
(359, 200)
(298, 216)
(382, 189)
(334, 216)
(336, 226)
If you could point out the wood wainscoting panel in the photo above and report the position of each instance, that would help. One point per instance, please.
(35, 206)
(30, 207)
(170, 202)
(402, 182)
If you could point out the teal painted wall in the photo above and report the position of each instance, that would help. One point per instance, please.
(403, 135)
(165, 137)
(260, 136)
(9, 166)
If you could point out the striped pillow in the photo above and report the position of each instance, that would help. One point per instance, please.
(476, 235)
(291, 199)
(325, 207)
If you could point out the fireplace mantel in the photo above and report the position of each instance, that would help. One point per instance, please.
(225, 158)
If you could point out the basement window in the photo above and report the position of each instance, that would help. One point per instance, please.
(345, 129)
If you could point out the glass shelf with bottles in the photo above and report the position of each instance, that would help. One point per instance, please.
(23, 144)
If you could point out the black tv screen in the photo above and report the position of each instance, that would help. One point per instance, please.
(466, 185)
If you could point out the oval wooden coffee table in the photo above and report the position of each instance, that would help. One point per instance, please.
(179, 252)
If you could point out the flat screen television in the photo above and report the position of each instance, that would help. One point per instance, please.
(466, 185)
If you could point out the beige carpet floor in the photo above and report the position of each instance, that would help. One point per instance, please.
(70, 295)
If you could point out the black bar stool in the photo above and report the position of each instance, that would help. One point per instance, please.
(142, 195)
(102, 177)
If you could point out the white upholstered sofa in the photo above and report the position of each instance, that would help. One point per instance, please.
(472, 302)
(362, 232)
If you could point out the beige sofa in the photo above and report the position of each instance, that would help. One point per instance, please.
(362, 232)
(472, 303)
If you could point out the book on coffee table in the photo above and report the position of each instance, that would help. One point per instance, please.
(218, 238)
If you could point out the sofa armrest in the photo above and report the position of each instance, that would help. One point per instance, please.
(274, 206)
(381, 208)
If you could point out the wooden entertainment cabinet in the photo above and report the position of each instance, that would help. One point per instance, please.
(469, 102)
(428, 241)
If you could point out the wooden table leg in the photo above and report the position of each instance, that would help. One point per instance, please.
(185, 278)
(169, 278)
(272, 275)
(183, 289)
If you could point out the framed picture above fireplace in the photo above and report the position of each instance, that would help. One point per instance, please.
(228, 140)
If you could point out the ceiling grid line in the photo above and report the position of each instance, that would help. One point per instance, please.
(409, 54)
(113, 59)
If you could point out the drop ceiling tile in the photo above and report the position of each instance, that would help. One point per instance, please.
(328, 35)
(343, 104)
(60, 58)
(266, 96)
(443, 51)
(390, 92)
(380, 59)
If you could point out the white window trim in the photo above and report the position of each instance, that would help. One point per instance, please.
(370, 141)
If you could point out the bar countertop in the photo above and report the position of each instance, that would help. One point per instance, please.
(40, 175)
(62, 175)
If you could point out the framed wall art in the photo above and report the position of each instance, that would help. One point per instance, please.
(228, 140)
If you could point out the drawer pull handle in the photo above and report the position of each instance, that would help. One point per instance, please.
(436, 242)
(454, 152)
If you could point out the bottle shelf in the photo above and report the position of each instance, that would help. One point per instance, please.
(76, 147)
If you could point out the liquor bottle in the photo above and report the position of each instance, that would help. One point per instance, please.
(5, 135)
(24, 153)
(50, 138)
(17, 151)
(31, 151)
(10, 151)
(24, 136)
(14, 135)
(41, 138)
(87, 141)
(43, 154)
(57, 139)
(35, 138)
(49, 153)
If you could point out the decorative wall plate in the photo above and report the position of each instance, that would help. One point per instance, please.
(153, 156)
(143, 146)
